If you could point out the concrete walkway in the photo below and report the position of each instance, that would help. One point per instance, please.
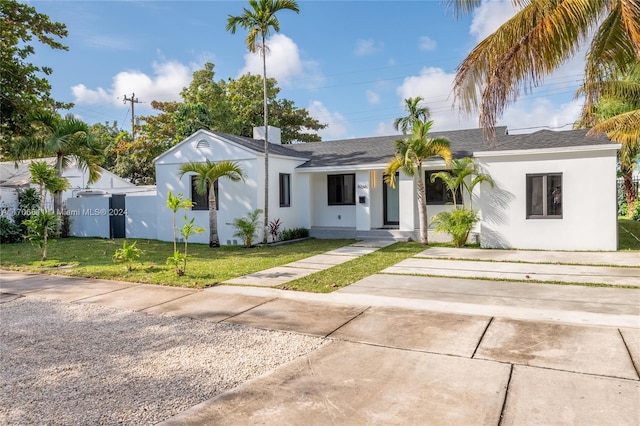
(409, 349)
(292, 271)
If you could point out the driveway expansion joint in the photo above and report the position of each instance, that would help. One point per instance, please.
(506, 396)
(482, 337)
(626, 345)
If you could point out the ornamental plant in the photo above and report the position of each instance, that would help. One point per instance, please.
(247, 227)
(127, 254)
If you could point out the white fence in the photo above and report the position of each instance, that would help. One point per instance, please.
(91, 217)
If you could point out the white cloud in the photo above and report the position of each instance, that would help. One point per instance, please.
(284, 64)
(166, 83)
(489, 16)
(336, 128)
(529, 117)
(384, 129)
(426, 43)
(372, 97)
(367, 47)
(434, 85)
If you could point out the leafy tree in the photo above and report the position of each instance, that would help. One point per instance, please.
(67, 139)
(23, 92)
(414, 113)
(259, 21)
(411, 153)
(541, 36)
(207, 174)
(188, 229)
(176, 202)
(613, 112)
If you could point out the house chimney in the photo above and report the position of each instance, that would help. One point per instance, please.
(274, 134)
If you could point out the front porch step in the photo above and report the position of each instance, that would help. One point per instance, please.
(352, 233)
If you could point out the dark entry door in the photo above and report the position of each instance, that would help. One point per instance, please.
(117, 216)
(391, 203)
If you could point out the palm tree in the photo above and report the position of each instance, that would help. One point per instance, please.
(536, 41)
(411, 153)
(175, 203)
(259, 20)
(67, 139)
(415, 113)
(207, 174)
(616, 112)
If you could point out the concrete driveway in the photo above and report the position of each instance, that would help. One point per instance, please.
(393, 365)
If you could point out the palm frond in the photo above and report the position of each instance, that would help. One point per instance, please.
(534, 42)
(623, 128)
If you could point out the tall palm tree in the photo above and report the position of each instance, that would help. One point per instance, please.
(68, 139)
(259, 21)
(616, 112)
(415, 113)
(411, 153)
(536, 41)
(207, 174)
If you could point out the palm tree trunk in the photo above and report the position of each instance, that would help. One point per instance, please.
(421, 195)
(266, 143)
(57, 196)
(629, 193)
(214, 239)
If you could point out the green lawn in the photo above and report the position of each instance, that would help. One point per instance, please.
(347, 273)
(92, 257)
(628, 234)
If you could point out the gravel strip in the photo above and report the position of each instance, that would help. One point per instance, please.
(63, 364)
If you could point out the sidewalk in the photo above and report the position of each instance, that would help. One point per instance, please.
(409, 349)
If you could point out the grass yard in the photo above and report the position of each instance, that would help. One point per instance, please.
(628, 234)
(92, 257)
(347, 273)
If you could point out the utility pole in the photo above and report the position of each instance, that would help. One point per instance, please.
(133, 101)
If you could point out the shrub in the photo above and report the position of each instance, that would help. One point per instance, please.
(127, 254)
(636, 211)
(247, 227)
(274, 229)
(293, 234)
(28, 205)
(10, 232)
(457, 223)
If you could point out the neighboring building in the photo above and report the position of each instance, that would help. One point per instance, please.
(554, 190)
(15, 176)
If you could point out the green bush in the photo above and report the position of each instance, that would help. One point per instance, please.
(636, 211)
(457, 223)
(28, 205)
(294, 234)
(10, 232)
(247, 227)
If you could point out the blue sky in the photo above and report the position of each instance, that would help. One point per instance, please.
(350, 63)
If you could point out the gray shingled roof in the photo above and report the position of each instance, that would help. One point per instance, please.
(257, 145)
(548, 139)
(380, 149)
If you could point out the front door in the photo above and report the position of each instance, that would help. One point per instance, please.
(391, 202)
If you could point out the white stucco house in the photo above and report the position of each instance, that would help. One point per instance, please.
(553, 190)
